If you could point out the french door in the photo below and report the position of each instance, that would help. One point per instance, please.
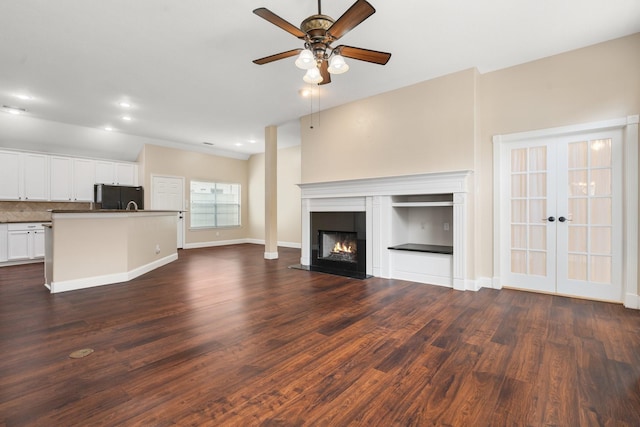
(562, 223)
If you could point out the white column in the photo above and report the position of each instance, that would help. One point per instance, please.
(459, 243)
(271, 192)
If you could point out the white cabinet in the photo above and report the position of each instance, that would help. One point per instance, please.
(36, 176)
(25, 241)
(32, 176)
(3, 242)
(10, 176)
(116, 173)
(72, 179)
(24, 176)
(126, 174)
(61, 178)
(84, 175)
(105, 172)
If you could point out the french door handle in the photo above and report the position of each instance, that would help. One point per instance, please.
(550, 219)
(563, 219)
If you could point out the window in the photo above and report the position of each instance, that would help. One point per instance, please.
(214, 204)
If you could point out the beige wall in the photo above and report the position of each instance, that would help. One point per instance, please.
(155, 160)
(448, 123)
(427, 127)
(197, 166)
(289, 225)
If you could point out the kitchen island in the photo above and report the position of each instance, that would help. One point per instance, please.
(91, 248)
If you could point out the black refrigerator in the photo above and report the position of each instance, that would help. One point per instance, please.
(118, 196)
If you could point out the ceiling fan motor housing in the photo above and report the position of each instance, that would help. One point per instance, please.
(318, 38)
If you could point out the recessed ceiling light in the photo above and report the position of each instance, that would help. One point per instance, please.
(238, 144)
(108, 128)
(23, 96)
(126, 118)
(13, 110)
(125, 104)
(252, 141)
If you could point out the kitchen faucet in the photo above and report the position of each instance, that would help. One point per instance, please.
(135, 205)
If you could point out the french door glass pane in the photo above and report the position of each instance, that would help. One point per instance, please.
(519, 185)
(537, 210)
(519, 262)
(518, 211)
(538, 158)
(538, 185)
(538, 237)
(578, 154)
(600, 240)
(601, 211)
(600, 184)
(519, 236)
(519, 160)
(538, 263)
(578, 238)
(600, 267)
(601, 153)
(577, 267)
(578, 183)
(578, 211)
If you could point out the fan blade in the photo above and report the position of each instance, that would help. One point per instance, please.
(357, 13)
(276, 57)
(324, 72)
(364, 54)
(265, 13)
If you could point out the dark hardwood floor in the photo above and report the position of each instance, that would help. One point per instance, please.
(222, 337)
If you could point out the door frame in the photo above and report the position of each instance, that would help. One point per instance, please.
(629, 126)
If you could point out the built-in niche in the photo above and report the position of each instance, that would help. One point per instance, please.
(423, 220)
(422, 237)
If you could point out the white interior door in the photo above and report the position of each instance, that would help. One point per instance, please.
(563, 224)
(168, 194)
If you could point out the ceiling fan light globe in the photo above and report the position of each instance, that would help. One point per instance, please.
(313, 76)
(337, 65)
(305, 60)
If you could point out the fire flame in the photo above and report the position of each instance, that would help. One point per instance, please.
(340, 247)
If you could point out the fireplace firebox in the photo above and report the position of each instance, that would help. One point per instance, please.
(338, 243)
(338, 246)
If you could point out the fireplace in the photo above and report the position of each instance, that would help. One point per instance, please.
(338, 243)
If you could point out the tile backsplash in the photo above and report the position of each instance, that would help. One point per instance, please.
(21, 211)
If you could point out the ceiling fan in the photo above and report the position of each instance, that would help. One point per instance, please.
(318, 57)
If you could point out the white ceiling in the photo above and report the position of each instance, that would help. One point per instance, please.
(185, 65)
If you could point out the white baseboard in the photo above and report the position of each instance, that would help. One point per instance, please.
(477, 284)
(238, 242)
(108, 279)
(271, 255)
(215, 243)
(632, 301)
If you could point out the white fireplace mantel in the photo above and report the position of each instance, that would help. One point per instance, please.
(374, 196)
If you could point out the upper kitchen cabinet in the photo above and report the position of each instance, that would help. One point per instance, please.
(116, 173)
(24, 176)
(72, 179)
(61, 171)
(84, 176)
(36, 177)
(10, 176)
